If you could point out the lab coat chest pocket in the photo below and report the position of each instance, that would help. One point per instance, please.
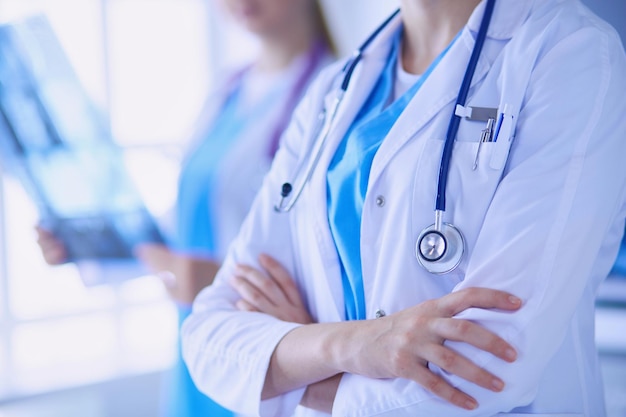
(472, 181)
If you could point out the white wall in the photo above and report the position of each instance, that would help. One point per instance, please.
(351, 21)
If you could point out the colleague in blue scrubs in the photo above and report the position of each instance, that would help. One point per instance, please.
(229, 154)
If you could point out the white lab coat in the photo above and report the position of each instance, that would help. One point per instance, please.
(545, 226)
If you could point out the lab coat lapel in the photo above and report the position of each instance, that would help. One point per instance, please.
(508, 16)
(364, 78)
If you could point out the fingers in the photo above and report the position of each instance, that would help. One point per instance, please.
(55, 255)
(274, 293)
(255, 289)
(472, 333)
(475, 335)
(435, 323)
(167, 277)
(52, 249)
(440, 387)
(454, 363)
(243, 305)
(282, 278)
(486, 298)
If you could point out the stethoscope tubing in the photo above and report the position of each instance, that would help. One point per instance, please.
(440, 246)
(323, 135)
(358, 54)
(453, 126)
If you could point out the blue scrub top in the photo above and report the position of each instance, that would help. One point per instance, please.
(348, 175)
(196, 233)
(201, 172)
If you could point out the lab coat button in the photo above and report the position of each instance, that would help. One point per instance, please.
(380, 313)
(380, 201)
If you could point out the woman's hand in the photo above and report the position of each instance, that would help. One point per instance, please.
(402, 345)
(52, 249)
(271, 291)
(184, 276)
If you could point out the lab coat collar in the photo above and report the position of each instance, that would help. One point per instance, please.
(508, 16)
(362, 82)
(381, 44)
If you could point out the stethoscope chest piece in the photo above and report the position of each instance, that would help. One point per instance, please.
(440, 249)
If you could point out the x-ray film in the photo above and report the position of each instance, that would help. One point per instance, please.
(54, 139)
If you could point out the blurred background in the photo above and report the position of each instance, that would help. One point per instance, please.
(69, 350)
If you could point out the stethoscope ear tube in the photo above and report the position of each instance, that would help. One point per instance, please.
(286, 189)
(358, 54)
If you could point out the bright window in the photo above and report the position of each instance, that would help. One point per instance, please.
(160, 69)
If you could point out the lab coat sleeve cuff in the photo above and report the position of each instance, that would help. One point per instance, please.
(233, 372)
(359, 396)
(283, 405)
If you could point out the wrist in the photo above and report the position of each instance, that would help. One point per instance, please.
(343, 345)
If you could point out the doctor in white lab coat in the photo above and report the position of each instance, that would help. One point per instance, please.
(542, 211)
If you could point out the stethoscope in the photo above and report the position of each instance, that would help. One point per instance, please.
(440, 246)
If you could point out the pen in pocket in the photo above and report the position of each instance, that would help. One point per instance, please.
(485, 136)
(505, 111)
